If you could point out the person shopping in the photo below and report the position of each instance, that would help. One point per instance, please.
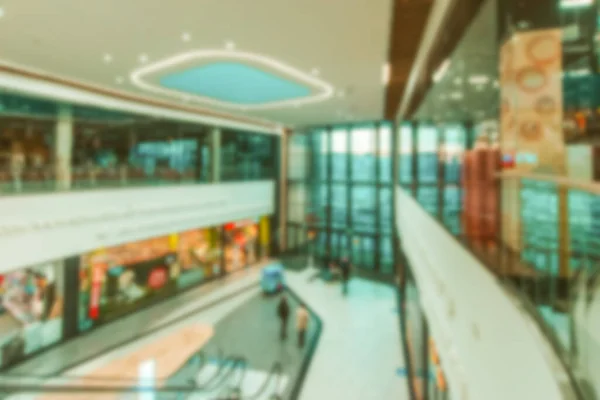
(283, 312)
(301, 324)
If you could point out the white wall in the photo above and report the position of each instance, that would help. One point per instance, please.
(487, 347)
(38, 228)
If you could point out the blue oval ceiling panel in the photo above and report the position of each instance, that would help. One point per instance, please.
(231, 79)
(234, 82)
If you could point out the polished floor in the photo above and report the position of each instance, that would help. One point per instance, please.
(357, 357)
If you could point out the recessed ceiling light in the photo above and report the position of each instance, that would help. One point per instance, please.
(186, 37)
(107, 58)
(386, 72)
(143, 58)
(478, 79)
(120, 80)
(315, 71)
(229, 45)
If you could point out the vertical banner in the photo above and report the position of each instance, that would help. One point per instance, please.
(97, 270)
(531, 119)
(531, 116)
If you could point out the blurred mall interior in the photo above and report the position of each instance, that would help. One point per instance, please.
(412, 185)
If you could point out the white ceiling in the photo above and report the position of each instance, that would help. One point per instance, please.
(347, 40)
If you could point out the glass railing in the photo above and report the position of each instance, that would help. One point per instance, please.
(49, 178)
(556, 243)
(541, 236)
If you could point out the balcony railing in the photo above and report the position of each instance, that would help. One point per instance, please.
(49, 178)
(540, 235)
(551, 225)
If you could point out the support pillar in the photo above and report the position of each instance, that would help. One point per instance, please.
(216, 155)
(63, 147)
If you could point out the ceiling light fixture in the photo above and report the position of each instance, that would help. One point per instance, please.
(479, 79)
(186, 37)
(386, 72)
(107, 58)
(143, 58)
(575, 3)
(229, 45)
(440, 72)
(321, 90)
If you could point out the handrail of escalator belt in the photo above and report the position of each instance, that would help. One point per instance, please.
(221, 376)
(211, 384)
(105, 378)
(276, 370)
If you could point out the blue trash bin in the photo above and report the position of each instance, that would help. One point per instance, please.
(272, 280)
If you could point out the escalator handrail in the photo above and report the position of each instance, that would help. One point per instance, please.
(105, 378)
(276, 369)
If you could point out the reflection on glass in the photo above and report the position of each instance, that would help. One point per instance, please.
(427, 148)
(363, 154)
(339, 209)
(454, 147)
(385, 210)
(385, 153)
(339, 155)
(386, 254)
(298, 153)
(405, 151)
(427, 196)
(364, 208)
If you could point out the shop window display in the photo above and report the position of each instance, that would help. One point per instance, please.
(241, 244)
(31, 311)
(121, 279)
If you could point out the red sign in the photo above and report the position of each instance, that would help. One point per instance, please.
(157, 278)
(96, 290)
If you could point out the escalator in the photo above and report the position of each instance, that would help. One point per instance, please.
(194, 380)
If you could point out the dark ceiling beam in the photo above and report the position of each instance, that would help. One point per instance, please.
(409, 18)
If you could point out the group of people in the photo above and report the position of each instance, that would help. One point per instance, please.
(302, 317)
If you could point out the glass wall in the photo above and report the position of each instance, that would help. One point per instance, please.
(246, 156)
(112, 149)
(431, 167)
(340, 186)
(31, 310)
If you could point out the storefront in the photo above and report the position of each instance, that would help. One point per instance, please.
(31, 310)
(119, 280)
(241, 244)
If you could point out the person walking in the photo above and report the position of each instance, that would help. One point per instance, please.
(301, 324)
(283, 312)
(345, 266)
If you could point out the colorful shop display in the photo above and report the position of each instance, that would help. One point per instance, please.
(241, 244)
(118, 280)
(31, 311)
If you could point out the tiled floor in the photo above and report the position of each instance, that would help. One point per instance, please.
(359, 351)
(357, 356)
